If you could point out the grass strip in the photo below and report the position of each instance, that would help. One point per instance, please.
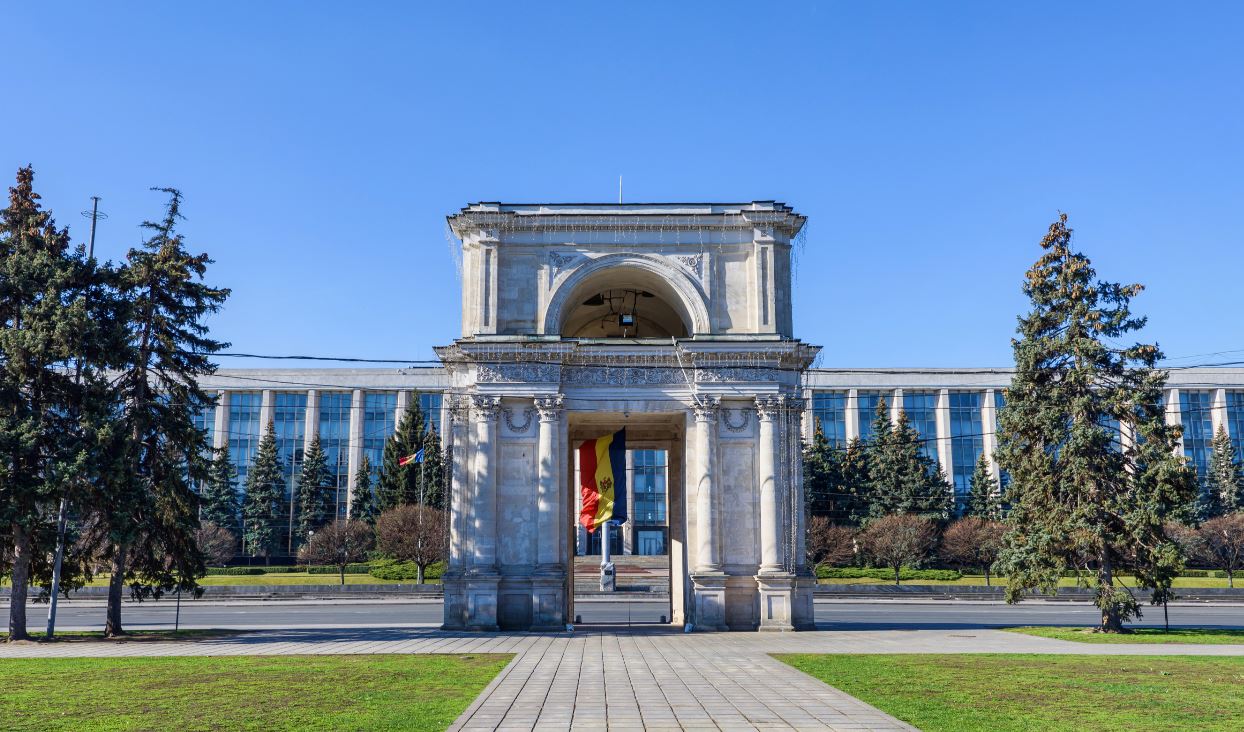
(261, 693)
(1012, 692)
(1206, 636)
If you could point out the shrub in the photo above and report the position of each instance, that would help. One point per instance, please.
(233, 571)
(357, 568)
(395, 571)
(906, 573)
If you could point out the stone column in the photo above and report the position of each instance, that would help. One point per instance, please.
(770, 409)
(484, 505)
(708, 581)
(311, 420)
(355, 444)
(548, 585)
(220, 426)
(458, 408)
(802, 612)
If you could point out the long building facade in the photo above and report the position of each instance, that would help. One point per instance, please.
(955, 411)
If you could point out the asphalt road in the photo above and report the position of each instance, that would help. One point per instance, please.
(831, 615)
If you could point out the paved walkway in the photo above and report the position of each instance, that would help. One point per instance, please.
(635, 679)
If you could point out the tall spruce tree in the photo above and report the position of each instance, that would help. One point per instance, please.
(264, 511)
(853, 484)
(317, 492)
(1223, 487)
(219, 500)
(399, 484)
(985, 500)
(901, 477)
(363, 500)
(37, 392)
(432, 474)
(153, 512)
(820, 476)
(1078, 502)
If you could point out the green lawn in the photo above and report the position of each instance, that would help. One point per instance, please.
(1001, 581)
(267, 693)
(1003, 692)
(1138, 635)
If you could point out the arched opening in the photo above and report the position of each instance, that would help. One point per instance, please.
(623, 301)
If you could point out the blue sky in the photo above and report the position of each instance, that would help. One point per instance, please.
(319, 147)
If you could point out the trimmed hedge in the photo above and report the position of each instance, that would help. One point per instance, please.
(395, 571)
(233, 571)
(906, 573)
(357, 568)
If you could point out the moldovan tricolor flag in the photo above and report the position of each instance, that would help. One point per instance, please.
(602, 480)
(416, 458)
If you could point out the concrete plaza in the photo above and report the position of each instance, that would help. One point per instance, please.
(603, 678)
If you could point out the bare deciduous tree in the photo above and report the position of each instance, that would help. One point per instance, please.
(973, 542)
(217, 543)
(414, 533)
(1188, 539)
(829, 544)
(897, 541)
(338, 544)
(1224, 543)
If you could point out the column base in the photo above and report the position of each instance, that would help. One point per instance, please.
(710, 601)
(803, 611)
(471, 602)
(777, 602)
(548, 600)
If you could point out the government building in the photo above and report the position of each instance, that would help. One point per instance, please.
(674, 322)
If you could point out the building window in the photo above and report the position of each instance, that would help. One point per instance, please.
(289, 416)
(648, 491)
(430, 405)
(829, 412)
(866, 407)
(335, 441)
(1235, 422)
(967, 443)
(204, 418)
(1194, 412)
(379, 415)
(999, 401)
(921, 410)
(244, 408)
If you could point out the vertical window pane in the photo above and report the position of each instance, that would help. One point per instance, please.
(243, 432)
(430, 405)
(379, 413)
(335, 440)
(1194, 411)
(289, 423)
(967, 442)
(866, 407)
(829, 411)
(921, 410)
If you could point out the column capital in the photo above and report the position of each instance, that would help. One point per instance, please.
(769, 406)
(550, 407)
(486, 407)
(705, 406)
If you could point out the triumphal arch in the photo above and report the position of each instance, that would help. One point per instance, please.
(671, 320)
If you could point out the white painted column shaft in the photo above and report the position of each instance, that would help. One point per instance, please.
(485, 503)
(708, 559)
(769, 410)
(548, 507)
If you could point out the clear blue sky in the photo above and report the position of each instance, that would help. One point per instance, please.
(319, 147)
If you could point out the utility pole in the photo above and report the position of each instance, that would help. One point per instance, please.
(62, 517)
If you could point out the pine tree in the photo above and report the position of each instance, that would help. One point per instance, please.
(432, 472)
(1224, 483)
(985, 500)
(219, 500)
(363, 500)
(153, 512)
(853, 484)
(264, 511)
(316, 491)
(37, 394)
(820, 476)
(902, 479)
(1078, 502)
(399, 484)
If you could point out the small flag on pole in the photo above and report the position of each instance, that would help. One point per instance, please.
(416, 458)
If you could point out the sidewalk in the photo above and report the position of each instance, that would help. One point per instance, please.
(598, 678)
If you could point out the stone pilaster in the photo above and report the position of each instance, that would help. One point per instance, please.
(548, 584)
(707, 580)
(770, 410)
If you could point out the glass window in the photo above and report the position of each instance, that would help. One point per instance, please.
(967, 442)
(647, 481)
(430, 405)
(1235, 422)
(289, 422)
(204, 417)
(999, 401)
(244, 407)
(379, 413)
(335, 441)
(921, 410)
(829, 410)
(1194, 411)
(866, 408)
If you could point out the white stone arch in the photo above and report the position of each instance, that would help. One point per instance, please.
(683, 293)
